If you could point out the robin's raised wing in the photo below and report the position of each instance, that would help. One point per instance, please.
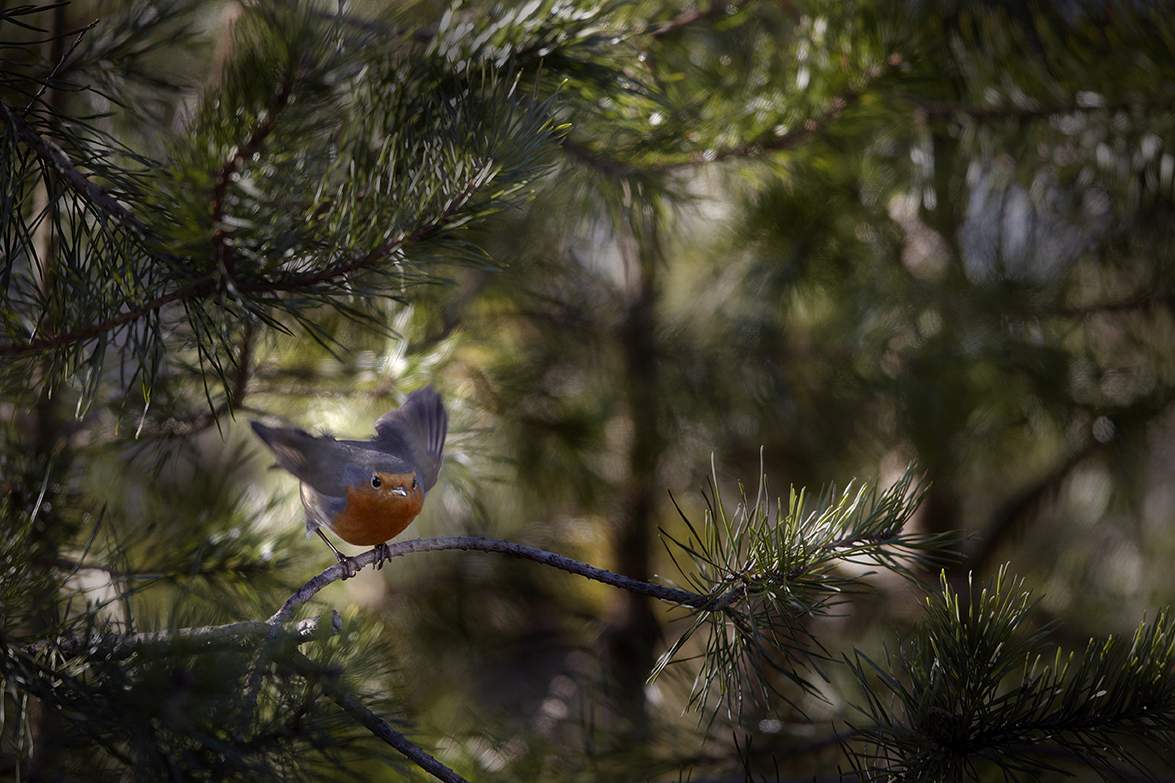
(416, 432)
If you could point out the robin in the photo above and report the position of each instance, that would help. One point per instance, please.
(366, 492)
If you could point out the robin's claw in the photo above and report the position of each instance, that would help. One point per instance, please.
(383, 553)
(350, 566)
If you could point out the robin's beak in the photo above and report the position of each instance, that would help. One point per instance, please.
(401, 491)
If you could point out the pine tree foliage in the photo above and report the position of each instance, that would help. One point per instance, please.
(944, 232)
(970, 692)
(393, 156)
(768, 569)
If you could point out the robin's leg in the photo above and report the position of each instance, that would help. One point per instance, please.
(349, 565)
(382, 553)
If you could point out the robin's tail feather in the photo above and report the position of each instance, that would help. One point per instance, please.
(289, 444)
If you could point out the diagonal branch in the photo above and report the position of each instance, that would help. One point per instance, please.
(291, 282)
(58, 161)
(1012, 513)
(686, 18)
(60, 62)
(377, 725)
(84, 333)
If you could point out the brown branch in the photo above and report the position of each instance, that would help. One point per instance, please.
(788, 140)
(93, 330)
(376, 725)
(236, 395)
(290, 282)
(60, 62)
(286, 282)
(233, 402)
(1012, 513)
(229, 169)
(244, 366)
(617, 169)
(686, 18)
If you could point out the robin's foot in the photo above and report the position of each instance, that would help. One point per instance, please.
(350, 566)
(383, 553)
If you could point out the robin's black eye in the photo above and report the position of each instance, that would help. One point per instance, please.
(375, 482)
(414, 482)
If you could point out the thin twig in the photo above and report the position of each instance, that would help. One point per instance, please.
(470, 543)
(686, 18)
(234, 400)
(244, 366)
(56, 68)
(291, 282)
(227, 172)
(261, 660)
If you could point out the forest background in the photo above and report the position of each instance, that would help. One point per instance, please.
(664, 261)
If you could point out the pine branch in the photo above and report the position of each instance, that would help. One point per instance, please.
(228, 170)
(774, 567)
(268, 285)
(48, 80)
(755, 576)
(616, 168)
(85, 333)
(293, 282)
(970, 688)
(717, 8)
(53, 157)
(1017, 508)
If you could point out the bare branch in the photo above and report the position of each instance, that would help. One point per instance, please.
(60, 62)
(185, 641)
(470, 543)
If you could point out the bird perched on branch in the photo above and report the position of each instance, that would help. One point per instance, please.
(366, 491)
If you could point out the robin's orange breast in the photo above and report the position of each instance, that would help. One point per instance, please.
(374, 514)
